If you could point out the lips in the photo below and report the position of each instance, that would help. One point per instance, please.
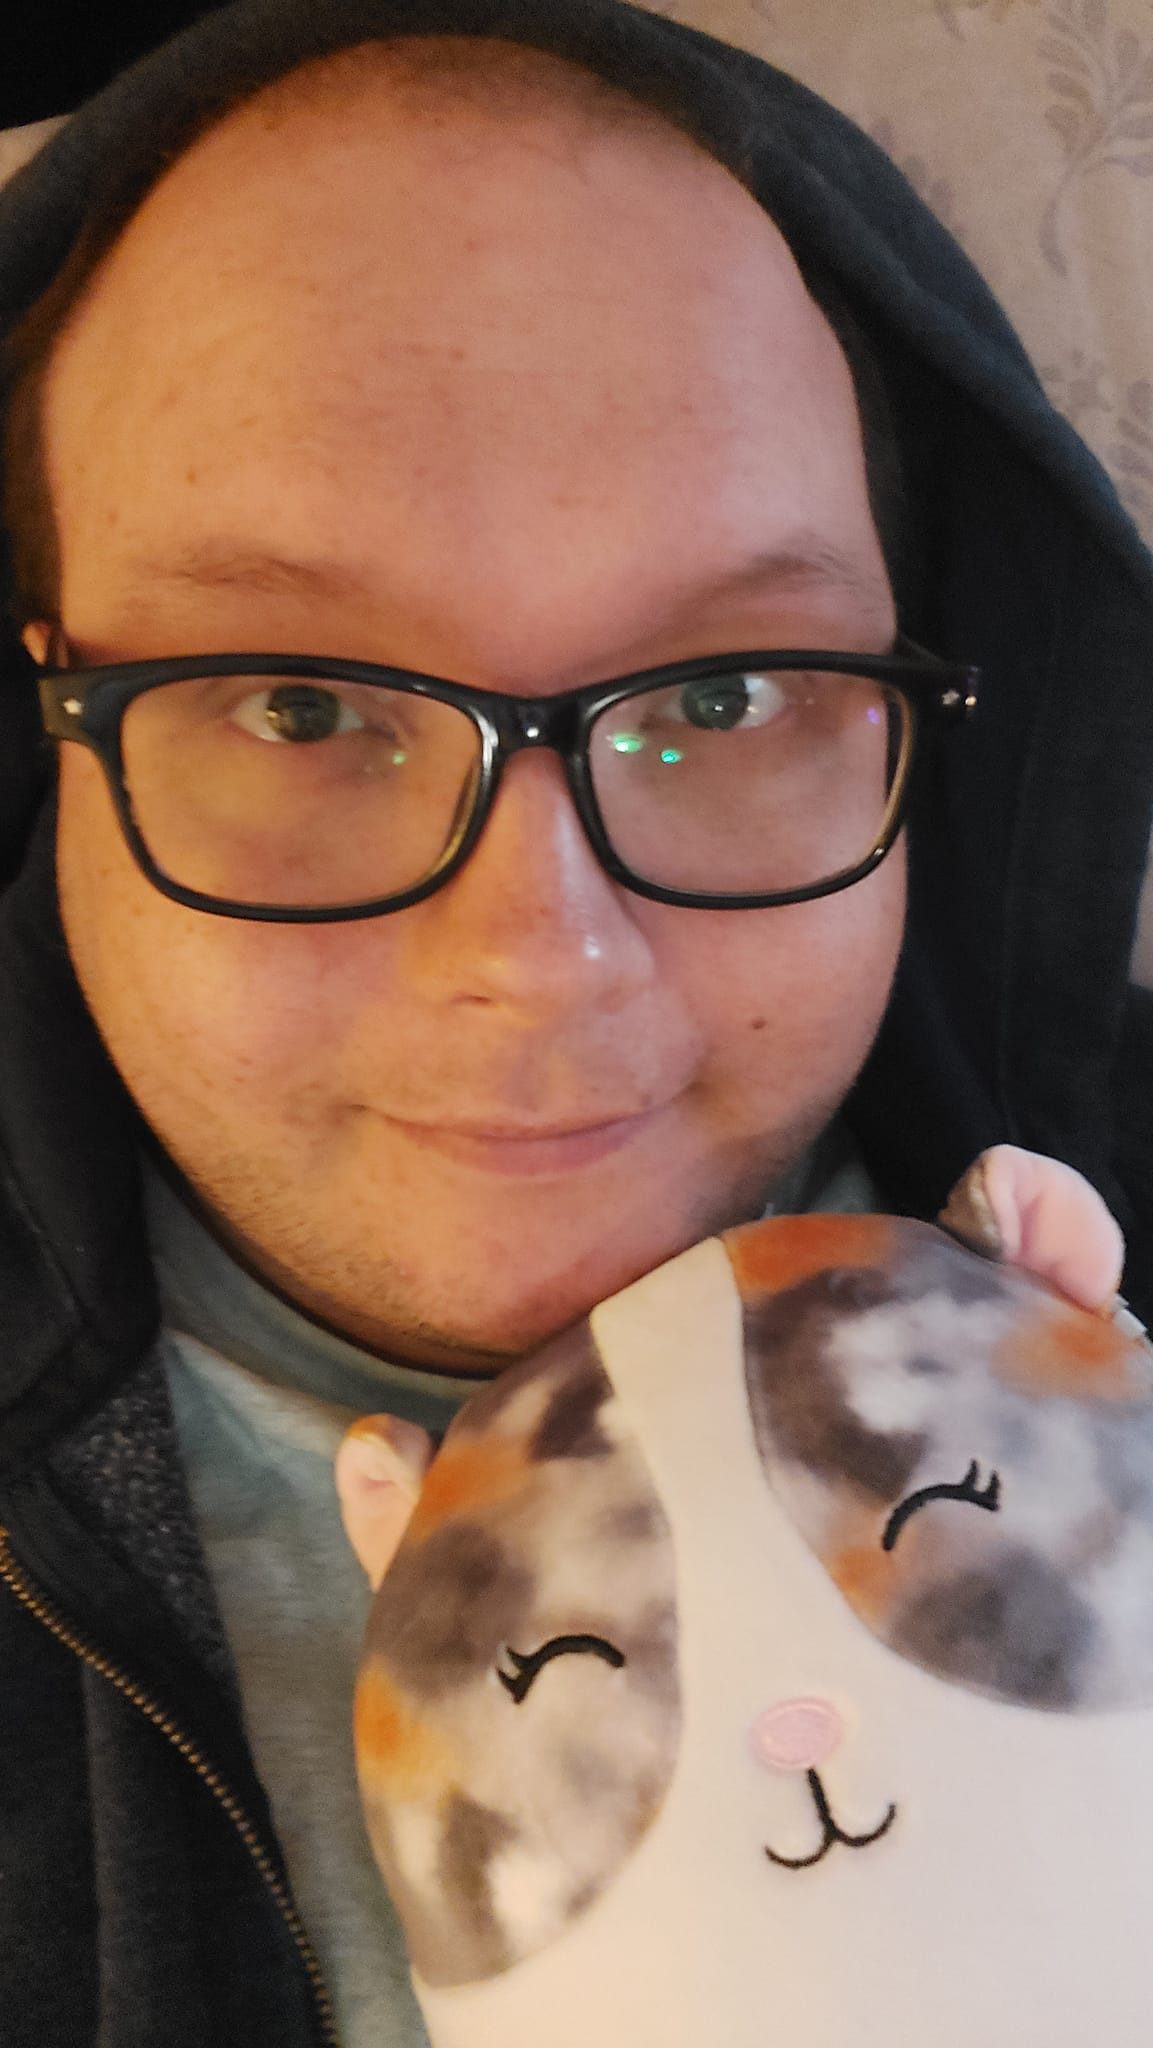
(535, 1149)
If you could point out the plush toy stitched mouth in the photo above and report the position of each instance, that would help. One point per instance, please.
(833, 1832)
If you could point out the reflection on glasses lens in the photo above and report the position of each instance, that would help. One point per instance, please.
(749, 784)
(285, 792)
(318, 794)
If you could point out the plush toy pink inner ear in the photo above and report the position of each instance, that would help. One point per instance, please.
(379, 1469)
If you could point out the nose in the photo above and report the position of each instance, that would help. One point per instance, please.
(797, 1735)
(531, 922)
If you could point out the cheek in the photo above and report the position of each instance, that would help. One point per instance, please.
(187, 1002)
(793, 995)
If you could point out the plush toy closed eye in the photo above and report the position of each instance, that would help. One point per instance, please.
(770, 1658)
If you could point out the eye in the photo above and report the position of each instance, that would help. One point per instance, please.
(529, 1667)
(720, 703)
(296, 712)
(969, 1488)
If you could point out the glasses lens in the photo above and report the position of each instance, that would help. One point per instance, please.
(748, 783)
(298, 792)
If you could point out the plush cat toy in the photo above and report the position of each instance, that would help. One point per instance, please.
(769, 1660)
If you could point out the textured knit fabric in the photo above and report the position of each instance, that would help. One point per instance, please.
(144, 1891)
(124, 1465)
(261, 1399)
(295, 1602)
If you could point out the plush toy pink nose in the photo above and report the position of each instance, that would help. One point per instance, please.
(796, 1735)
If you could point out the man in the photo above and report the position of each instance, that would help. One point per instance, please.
(475, 366)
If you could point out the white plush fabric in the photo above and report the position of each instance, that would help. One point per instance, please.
(1008, 1900)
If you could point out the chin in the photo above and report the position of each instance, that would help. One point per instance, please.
(504, 1327)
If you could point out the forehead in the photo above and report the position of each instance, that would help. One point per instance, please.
(476, 334)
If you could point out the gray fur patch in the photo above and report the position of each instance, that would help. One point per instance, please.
(592, 1773)
(446, 1608)
(570, 1426)
(941, 1265)
(457, 1930)
(634, 1521)
(652, 1654)
(472, 1836)
(798, 1408)
(570, 1356)
(1013, 1628)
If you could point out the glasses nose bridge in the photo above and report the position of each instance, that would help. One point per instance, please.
(552, 724)
(524, 722)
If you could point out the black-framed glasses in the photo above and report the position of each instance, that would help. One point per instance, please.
(298, 789)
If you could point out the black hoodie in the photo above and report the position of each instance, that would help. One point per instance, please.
(142, 1892)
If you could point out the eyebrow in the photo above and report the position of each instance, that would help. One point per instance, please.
(231, 565)
(805, 561)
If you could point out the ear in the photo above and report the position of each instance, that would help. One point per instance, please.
(37, 639)
(379, 1469)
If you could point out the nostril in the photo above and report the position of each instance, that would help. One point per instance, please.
(796, 1735)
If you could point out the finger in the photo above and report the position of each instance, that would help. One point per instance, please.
(1051, 1221)
(379, 1469)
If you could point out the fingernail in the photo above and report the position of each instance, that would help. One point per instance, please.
(1123, 1318)
(378, 1462)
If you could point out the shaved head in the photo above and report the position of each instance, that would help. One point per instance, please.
(434, 75)
(432, 78)
(559, 107)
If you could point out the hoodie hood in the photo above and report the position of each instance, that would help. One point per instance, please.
(1011, 1014)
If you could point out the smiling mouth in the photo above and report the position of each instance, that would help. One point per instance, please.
(513, 1151)
(833, 1832)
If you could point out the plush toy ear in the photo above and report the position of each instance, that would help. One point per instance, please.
(379, 1469)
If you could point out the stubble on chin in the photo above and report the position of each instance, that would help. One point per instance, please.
(483, 1278)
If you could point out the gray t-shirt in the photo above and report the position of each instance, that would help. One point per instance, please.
(262, 1398)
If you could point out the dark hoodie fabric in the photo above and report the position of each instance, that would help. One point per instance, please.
(142, 1892)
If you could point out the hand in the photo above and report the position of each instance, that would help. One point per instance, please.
(1039, 1214)
(379, 1470)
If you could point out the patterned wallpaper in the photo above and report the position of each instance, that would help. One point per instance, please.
(1028, 127)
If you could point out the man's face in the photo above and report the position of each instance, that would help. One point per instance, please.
(521, 403)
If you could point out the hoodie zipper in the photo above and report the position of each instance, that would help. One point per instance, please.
(13, 1576)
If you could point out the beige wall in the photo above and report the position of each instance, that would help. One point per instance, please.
(1028, 127)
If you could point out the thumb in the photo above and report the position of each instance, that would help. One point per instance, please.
(1040, 1214)
(379, 1469)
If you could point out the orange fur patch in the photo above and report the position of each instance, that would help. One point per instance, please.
(1064, 1349)
(471, 1473)
(864, 1573)
(395, 1749)
(781, 1251)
